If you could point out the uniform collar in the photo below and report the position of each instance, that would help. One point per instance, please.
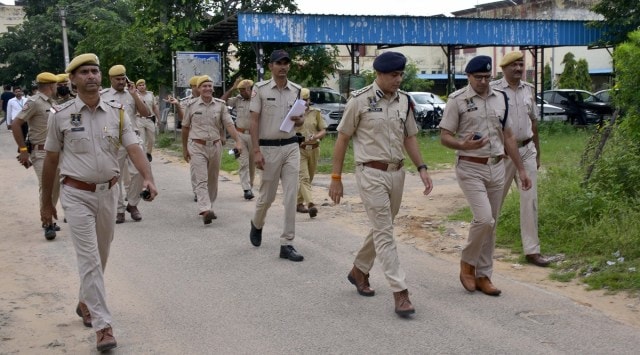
(380, 94)
(287, 86)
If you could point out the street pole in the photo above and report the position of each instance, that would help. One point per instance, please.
(65, 43)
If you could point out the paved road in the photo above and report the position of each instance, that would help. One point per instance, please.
(177, 287)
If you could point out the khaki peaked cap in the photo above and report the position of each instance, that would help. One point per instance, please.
(82, 59)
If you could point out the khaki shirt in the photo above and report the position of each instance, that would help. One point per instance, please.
(243, 117)
(273, 105)
(522, 107)
(90, 139)
(378, 125)
(36, 112)
(124, 98)
(149, 100)
(206, 120)
(467, 112)
(313, 123)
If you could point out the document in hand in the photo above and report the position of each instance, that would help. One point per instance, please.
(296, 110)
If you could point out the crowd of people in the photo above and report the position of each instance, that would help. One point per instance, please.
(71, 121)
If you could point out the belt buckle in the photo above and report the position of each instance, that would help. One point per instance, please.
(103, 186)
(308, 146)
(208, 143)
(494, 160)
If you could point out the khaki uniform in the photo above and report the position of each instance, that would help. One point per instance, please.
(127, 169)
(378, 127)
(183, 104)
(35, 113)
(91, 140)
(309, 153)
(280, 151)
(523, 110)
(146, 124)
(467, 112)
(205, 121)
(247, 170)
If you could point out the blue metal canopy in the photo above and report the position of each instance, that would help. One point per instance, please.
(413, 31)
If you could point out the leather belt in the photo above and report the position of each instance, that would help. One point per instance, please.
(278, 142)
(485, 161)
(242, 130)
(91, 187)
(309, 146)
(524, 142)
(37, 147)
(383, 166)
(204, 142)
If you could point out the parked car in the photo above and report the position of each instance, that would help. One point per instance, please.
(549, 112)
(330, 103)
(604, 95)
(428, 109)
(582, 106)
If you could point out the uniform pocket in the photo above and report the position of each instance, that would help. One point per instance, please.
(78, 142)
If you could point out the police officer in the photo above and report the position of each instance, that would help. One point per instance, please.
(313, 130)
(201, 146)
(241, 103)
(276, 152)
(35, 113)
(380, 120)
(523, 116)
(133, 106)
(63, 91)
(91, 130)
(147, 124)
(476, 124)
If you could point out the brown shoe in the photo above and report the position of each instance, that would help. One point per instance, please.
(208, 216)
(403, 305)
(537, 260)
(120, 218)
(361, 281)
(300, 208)
(313, 210)
(484, 284)
(105, 339)
(468, 276)
(135, 214)
(84, 313)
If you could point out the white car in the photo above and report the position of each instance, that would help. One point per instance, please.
(551, 112)
(428, 109)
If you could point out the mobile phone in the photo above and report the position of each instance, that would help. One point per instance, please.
(476, 136)
(145, 194)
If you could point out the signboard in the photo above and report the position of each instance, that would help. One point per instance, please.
(189, 64)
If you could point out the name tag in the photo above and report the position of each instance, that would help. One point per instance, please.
(77, 129)
(271, 99)
(377, 109)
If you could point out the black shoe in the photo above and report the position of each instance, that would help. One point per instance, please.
(195, 198)
(313, 210)
(289, 252)
(248, 194)
(50, 232)
(56, 227)
(208, 216)
(255, 235)
(149, 157)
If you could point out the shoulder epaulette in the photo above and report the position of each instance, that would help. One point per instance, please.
(495, 82)
(458, 92)
(361, 91)
(113, 104)
(218, 100)
(64, 105)
(104, 91)
(526, 83)
(263, 83)
(295, 85)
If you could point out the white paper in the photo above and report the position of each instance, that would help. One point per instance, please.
(296, 110)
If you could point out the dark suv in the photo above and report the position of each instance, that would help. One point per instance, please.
(582, 107)
(330, 103)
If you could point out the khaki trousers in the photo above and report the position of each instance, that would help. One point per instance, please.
(147, 133)
(281, 163)
(482, 186)
(132, 191)
(308, 163)
(247, 170)
(91, 218)
(37, 159)
(528, 199)
(381, 194)
(205, 169)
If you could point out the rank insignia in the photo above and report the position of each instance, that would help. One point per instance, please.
(76, 119)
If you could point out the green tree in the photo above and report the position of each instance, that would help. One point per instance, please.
(568, 78)
(627, 66)
(620, 18)
(410, 80)
(548, 80)
(582, 75)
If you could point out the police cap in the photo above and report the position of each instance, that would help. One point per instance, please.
(478, 64)
(82, 59)
(194, 80)
(305, 93)
(117, 70)
(62, 78)
(203, 79)
(140, 81)
(245, 84)
(46, 78)
(510, 58)
(388, 62)
(279, 54)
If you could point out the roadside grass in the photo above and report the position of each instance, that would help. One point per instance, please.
(593, 237)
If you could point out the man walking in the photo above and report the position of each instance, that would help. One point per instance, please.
(240, 103)
(133, 106)
(35, 113)
(147, 124)
(381, 121)
(91, 130)
(476, 124)
(523, 116)
(15, 105)
(275, 151)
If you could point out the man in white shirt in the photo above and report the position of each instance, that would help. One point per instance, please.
(14, 105)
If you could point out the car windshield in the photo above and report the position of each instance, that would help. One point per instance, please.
(327, 97)
(426, 98)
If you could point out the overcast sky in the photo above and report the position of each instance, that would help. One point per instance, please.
(385, 7)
